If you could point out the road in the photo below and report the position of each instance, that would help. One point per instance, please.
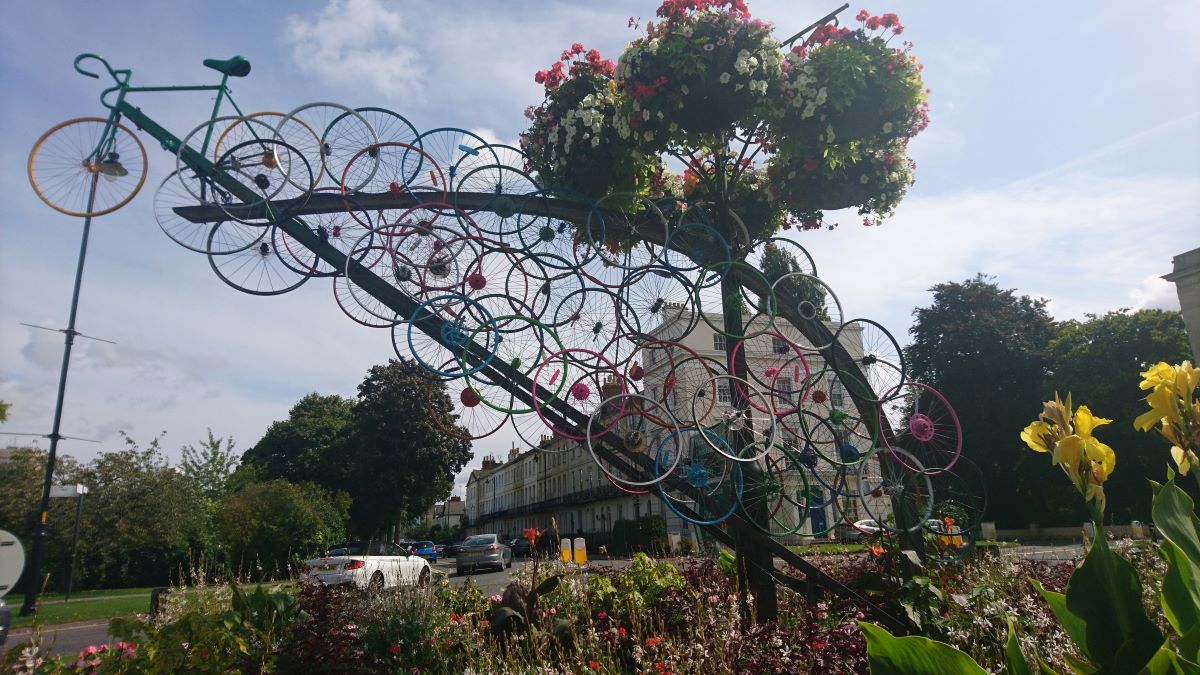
(71, 638)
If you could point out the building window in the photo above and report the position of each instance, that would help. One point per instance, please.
(783, 386)
(723, 392)
(837, 394)
(779, 345)
(718, 342)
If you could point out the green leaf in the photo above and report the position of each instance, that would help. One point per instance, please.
(1175, 516)
(501, 619)
(1189, 644)
(1180, 594)
(1106, 594)
(890, 655)
(1073, 625)
(547, 586)
(1014, 660)
(1167, 662)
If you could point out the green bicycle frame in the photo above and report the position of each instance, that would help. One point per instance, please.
(120, 107)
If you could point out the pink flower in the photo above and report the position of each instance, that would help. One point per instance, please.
(496, 598)
(602, 615)
(594, 664)
(653, 641)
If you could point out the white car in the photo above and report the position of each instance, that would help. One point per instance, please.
(371, 566)
(869, 528)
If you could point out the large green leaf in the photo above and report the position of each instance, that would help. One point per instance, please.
(1075, 627)
(1167, 662)
(1175, 516)
(1106, 594)
(1180, 593)
(890, 655)
(1014, 660)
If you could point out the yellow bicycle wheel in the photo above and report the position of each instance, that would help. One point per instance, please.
(61, 169)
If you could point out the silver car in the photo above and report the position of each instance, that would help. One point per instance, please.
(483, 550)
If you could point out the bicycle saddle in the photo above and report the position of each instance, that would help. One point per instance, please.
(238, 66)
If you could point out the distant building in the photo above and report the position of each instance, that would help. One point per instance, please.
(1186, 277)
(449, 514)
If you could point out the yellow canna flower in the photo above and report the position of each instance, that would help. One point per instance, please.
(1039, 436)
(1183, 459)
(1156, 375)
(1174, 409)
(1067, 436)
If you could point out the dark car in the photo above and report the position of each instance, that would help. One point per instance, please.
(520, 547)
(452, 549)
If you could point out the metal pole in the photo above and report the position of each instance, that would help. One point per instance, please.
(74, 546)
(41, 531)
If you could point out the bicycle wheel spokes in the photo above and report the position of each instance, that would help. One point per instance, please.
(921, 421)
(72, 157)
(773, 495)
(233, 236)
(870, 357)
(704, 485)
(256, 270)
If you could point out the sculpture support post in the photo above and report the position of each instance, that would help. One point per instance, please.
(754, 562)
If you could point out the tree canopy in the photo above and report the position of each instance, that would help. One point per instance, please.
(983, 348)
(385, 450)
(403, 462)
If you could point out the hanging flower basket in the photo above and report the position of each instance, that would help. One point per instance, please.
(707, 67)
(572, 142)
(844, 86)
(871, 178)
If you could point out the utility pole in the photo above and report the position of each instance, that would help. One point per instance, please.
(41, 530)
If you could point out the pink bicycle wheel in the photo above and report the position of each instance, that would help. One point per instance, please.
(917, 418)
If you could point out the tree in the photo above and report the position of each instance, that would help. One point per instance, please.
(983, 348)
(310, 445)
(21, 478)
(1098, 361)
(210, 466)
(266, 527)
(401, 460)
(140, 517)
(4, 406)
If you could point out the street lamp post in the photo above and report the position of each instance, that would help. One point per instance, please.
(41, 530)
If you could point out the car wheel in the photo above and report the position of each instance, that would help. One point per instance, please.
(375, 586)
(862, 538)
(509, 563)
(460, 572)
(423, 580)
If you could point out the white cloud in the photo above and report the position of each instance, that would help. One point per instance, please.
(1154, 292)
(357, 41)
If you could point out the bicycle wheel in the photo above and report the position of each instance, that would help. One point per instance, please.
(772, 498)
(72, 157)
(817, 306)
(257, 270)
(867, 348)
(704, 486)
(234, 236)
(920, 420)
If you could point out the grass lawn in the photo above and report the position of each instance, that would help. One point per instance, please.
(103, 592)
(83, 610)
(856, 548)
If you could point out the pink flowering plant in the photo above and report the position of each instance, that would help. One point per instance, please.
(572, 142)
(844, 86)
(708, 66)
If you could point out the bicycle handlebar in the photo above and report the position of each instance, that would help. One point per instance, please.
(121, 77)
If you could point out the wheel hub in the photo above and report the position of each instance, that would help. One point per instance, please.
(697, 475)
(580, 391)
(921, 427)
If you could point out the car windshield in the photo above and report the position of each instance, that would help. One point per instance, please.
(424, 544)
(480, 540)
(352, 548)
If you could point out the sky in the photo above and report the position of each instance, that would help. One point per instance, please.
(1063, 159)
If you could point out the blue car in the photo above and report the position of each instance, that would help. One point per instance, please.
(426, 550)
